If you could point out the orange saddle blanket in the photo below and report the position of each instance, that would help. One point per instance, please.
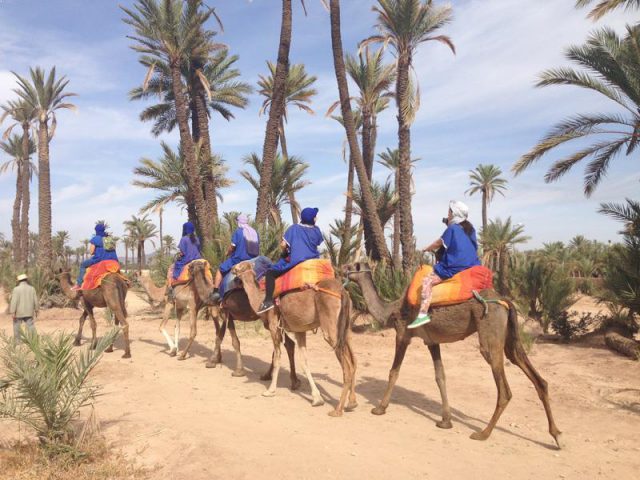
(185, 275)
(306, 273)
(456, 289)
(96, 273)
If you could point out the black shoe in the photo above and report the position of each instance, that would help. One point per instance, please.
(215, 298)
(265, 307)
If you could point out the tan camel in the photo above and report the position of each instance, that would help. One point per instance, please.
(156, 294)
(326, 306)
(497, 332)
(111, 294)
(235, 306)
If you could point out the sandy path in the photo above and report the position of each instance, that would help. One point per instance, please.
(198, 423)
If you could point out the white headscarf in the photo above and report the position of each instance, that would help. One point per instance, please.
(459, 211)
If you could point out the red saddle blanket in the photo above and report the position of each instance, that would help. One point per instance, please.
(306, 273)
(185, 274)
(96, 273)
(456, 289)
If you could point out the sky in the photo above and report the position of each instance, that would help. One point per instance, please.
(478, 106)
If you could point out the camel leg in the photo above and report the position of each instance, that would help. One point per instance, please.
(352, 393)
(176, 332)
(277, 340)
(163, 330)
(94, 332)
(268, 375)
(290, 347)
(494, 357)
(348, 378)
(235, 341)
(216, 356)
(401, 348)
(442, 386)
(317, 400)
(193, 329)
(81, 321)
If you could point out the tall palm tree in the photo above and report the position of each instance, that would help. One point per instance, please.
(298, 92)
(404, 25)
(386, 201)
(286, 180)
(486, 179)
(498, 245)
(610, 66)
(172, 31)
(141, 230)
(391, 160)
(355, 154)
(23, 115)
(59, 241)
(605, 6)
(24, 169)
(45, 94)
(169, 244)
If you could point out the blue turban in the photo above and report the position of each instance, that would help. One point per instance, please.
(188, 228)
(308, 216)
(100, 229)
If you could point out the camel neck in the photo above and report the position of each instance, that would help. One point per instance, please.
(254, 294)
(65, 285)
(377, 307)
(203, 288)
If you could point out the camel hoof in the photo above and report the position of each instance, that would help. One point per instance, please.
(109, 349)
(238, 373)
(295, 384)
(126, 355)
(351, 407)
(76, 342)
(316, 402)
(268, 393)
(379, 410)
(211, 364)
(173, 352)
(183, 356)
(265, 377)
(335, 413)
(478, 436)
(446, 424)
(559, 441)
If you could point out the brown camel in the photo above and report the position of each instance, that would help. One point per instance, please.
(497, 332)
(326, 306)
(111, 294)
(235, 306)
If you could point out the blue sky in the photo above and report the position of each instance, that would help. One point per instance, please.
(478, 106)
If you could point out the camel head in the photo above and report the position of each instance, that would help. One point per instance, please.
(355, 270)
(63, 275)
(242, 269)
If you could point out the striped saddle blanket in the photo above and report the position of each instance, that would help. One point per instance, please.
(185, 275)
(96, 273)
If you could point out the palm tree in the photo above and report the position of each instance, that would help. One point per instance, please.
(498, 243)
(386, 201)
(140, 229)
(13, 148)
(286, 180)
(45, 96)
(298, 92)
(169, 244)
(486, 179)
(605, 6)
(172, 32)
(60, 246)
(22, 114)
(610, 66)
(355, 154)
(391, 160)
(404, 25)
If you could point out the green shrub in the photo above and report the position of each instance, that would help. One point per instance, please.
(571, 325)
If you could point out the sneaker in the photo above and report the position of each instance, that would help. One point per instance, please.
(215, 298)
(265, 307)
(422, 319)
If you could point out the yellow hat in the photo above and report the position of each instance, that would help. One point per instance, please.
(22, 277)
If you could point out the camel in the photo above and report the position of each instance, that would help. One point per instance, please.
(111, 294)
(235, 306)
(156, 294)
(497, 332)
(327, 306)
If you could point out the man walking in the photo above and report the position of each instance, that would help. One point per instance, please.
(24, 306)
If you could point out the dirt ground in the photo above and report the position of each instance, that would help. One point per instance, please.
(195, 423)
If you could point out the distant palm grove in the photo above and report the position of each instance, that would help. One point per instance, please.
(191, 83)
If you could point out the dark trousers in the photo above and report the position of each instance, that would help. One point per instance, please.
(18, 323)
(270, 283)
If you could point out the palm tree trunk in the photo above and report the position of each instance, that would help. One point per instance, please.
(26, 200)
(45, 251)
(285, 155)
(369, 210)
(368, 163)
(275, 113)
(484, 210)
(194, 183)
(397, 261)
(139, 256)
(15, 218)
(348, 214)
(404, 182)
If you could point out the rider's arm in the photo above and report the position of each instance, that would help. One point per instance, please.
(434, 246)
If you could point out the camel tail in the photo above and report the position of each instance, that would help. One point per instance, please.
(344, 322)
(122, 295)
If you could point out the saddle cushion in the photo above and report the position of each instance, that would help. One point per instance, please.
(185, 275)
(309, 272)
(456, 289)
(95, 273)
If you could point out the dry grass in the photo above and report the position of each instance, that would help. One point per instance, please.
(98, 462)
